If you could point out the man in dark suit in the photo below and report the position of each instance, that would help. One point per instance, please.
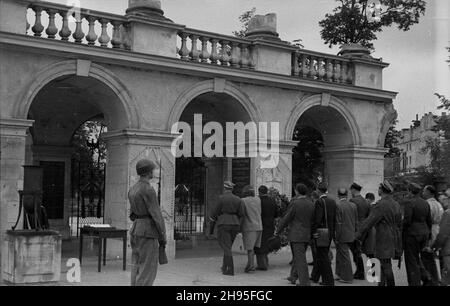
(324, 217)
(346, 228)
(269, 211)
(416, 232)
(386, 217)
(299, 218)
(363, 208)
(148, 232)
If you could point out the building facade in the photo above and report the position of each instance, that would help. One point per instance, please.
(143, 73)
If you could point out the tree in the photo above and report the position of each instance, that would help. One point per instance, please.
(245, 18)
(89, 147)
(358, 21)
(391, 141)
(307, 159)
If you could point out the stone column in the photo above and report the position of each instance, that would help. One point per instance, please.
(125, 149)
(343, 166)
(12, 158)
(280, 176)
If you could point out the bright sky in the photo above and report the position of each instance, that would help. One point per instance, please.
(418, 68)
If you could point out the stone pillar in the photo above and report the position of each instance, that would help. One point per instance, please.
(271, 54)
(151, 32)
(12, 158)
(279, 177)
(125, 149)
(343, 166)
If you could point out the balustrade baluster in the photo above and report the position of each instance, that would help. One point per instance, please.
(224, 57)
(194, 54)
(78, 35)
(52, 30)
(91, 37)
(104, 37)
(251, 57)
(321, 68)
(335, 71)
(126, 36)
(312, 67)
(65, 30)
(116, 37)
(304, 65)
(38, 28)
(234, 60)
(244, 61)
(27, 27)
(329, 70)
(215, 56)
(184, 51)
(295, 64)
(349, 74)
(204, 55)
(343, 70)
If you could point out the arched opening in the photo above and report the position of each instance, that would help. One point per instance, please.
(71, 113)
(322, 133)
(200, 175)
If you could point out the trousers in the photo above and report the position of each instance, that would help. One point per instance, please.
(322, 266)
(144, 260)
(344, 268)
(413, 246)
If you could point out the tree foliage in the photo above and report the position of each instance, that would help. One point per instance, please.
(307, 159)
(89, 147)
(359, 21)
(391, 141)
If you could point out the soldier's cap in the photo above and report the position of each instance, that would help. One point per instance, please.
(145, 166)
(356, 187)
(228, 185)
(414, 187)
(387, 187)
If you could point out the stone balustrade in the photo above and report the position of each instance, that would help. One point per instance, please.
(153, 34)
(78, 25)
(322, 67)
(205, 47)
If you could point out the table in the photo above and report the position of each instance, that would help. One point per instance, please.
(102, 234)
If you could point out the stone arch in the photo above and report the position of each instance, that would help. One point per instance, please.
(69, 67)
(316, 100)
(210, 86)
(389, 118)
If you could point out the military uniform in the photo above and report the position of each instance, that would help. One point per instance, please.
(386, 217)
(147, 233)
(228, 213)
(363, 208)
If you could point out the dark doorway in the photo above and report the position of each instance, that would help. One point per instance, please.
(53, 189)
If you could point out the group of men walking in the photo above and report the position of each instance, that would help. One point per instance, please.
(419, 226)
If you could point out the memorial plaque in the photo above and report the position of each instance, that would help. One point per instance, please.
(241, 173)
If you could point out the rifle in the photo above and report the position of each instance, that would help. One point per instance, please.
(159, 181)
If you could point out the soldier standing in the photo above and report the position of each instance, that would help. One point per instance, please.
(386, 217)
(363, 208)
(148, 231)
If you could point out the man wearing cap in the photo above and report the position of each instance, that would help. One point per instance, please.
(363, 208)
(228, 214)
(416, 232)
(386, 217)
(324, 217)
(148, 231)
(346, 228)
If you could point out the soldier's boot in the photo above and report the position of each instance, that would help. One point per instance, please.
(229, 270)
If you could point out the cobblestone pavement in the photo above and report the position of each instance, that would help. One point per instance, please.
(200, 271)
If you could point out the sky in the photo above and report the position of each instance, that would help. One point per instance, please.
(417, 58)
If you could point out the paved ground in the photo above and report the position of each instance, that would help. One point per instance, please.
(199, 267)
